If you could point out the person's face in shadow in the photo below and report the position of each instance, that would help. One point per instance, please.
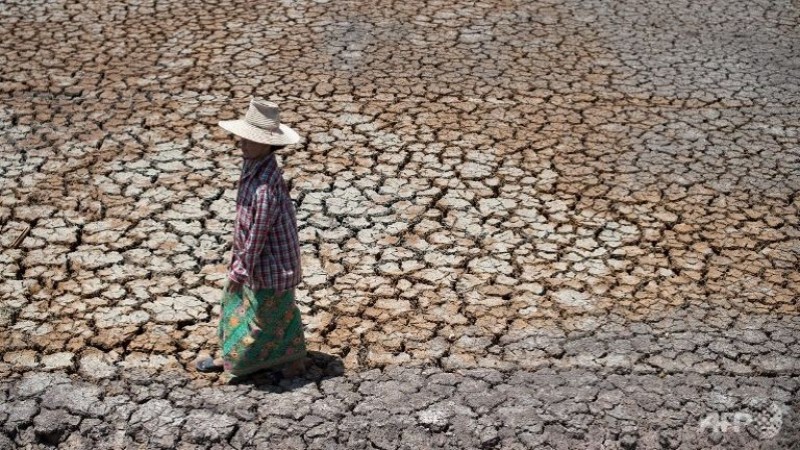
(252, 149)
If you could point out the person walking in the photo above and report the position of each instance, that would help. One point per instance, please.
(260, 324)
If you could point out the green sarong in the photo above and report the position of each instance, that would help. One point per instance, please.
(258, 330)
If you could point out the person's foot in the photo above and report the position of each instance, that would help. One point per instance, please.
(208, 364)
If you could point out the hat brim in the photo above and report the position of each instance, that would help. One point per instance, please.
(284, 135)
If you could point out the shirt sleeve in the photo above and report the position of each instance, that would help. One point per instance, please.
(263, 211)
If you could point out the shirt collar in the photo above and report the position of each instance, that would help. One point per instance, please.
(252, 166)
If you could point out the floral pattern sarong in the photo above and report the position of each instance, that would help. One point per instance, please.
(258, 330)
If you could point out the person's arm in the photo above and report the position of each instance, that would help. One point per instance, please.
(262, 208)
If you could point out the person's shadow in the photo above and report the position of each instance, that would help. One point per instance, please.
(320, 366)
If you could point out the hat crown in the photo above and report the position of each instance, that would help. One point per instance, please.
(263, 114)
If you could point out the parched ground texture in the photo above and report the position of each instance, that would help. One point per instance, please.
(556, 224)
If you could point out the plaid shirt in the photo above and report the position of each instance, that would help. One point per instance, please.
(266, 250)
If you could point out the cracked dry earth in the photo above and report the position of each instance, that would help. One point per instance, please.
(554, 224)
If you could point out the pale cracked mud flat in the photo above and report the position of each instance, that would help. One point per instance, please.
(552, 224)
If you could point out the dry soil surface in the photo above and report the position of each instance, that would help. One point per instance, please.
(556, 224)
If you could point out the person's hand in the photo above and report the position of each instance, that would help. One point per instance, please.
(234, 287)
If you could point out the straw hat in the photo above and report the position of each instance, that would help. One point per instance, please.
(262, 124)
